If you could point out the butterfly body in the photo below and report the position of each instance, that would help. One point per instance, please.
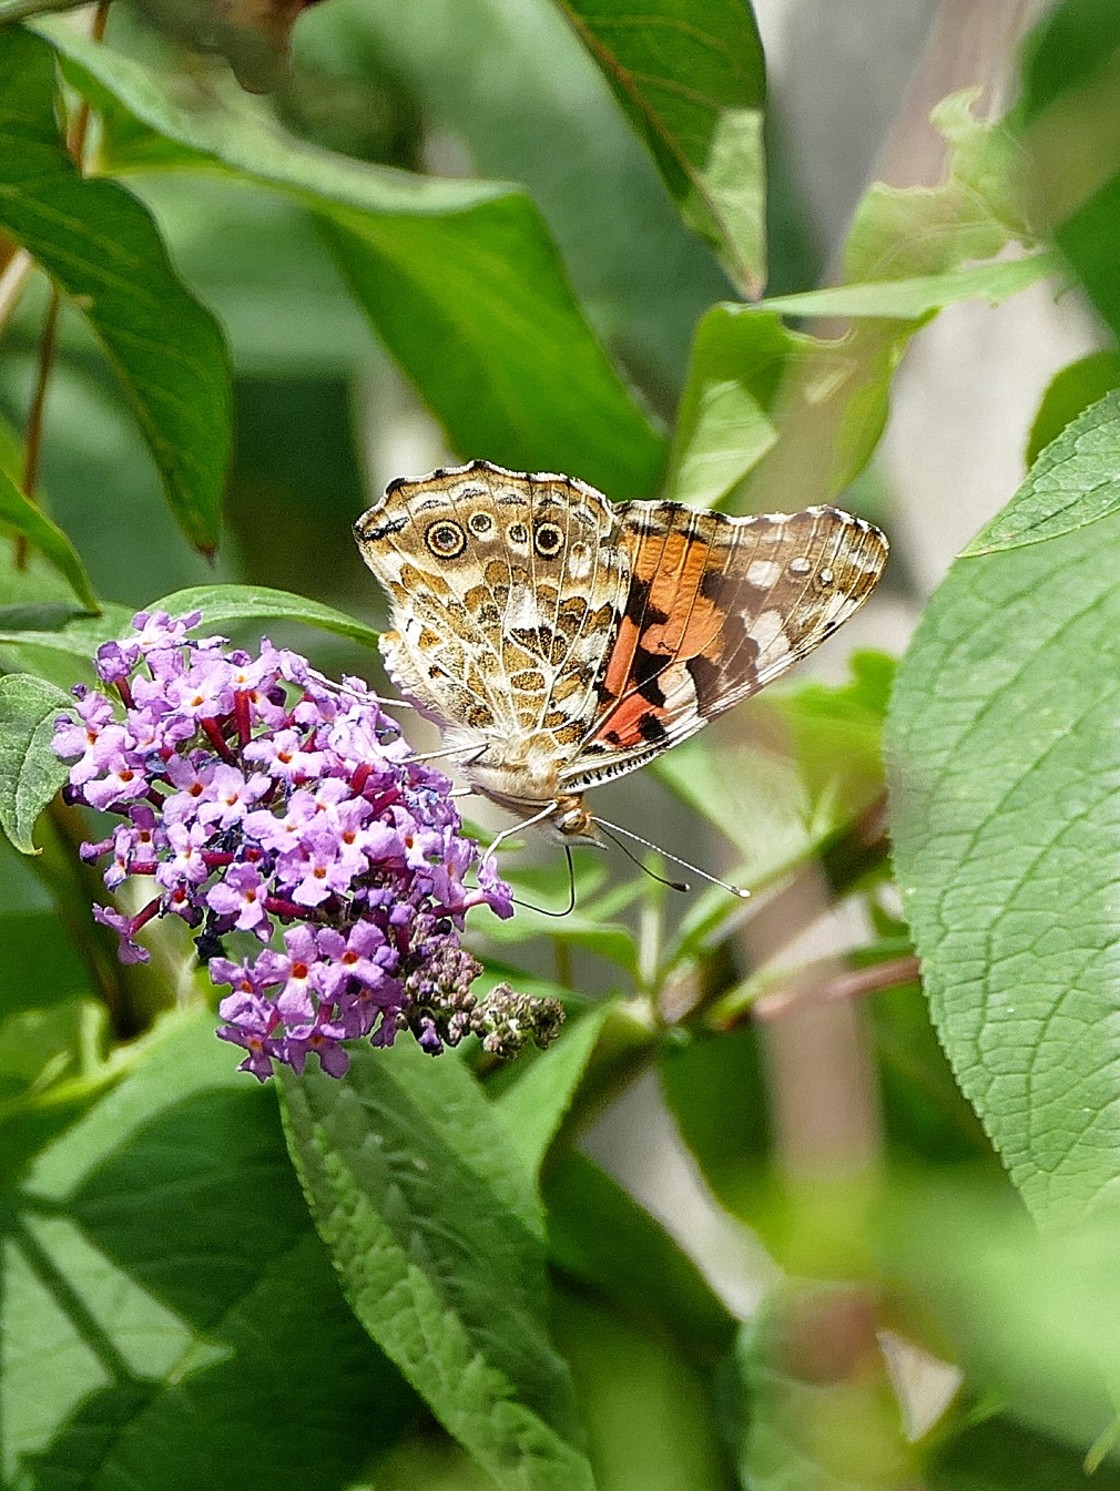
(560, 640)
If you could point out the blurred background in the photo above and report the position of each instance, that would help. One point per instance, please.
(502, 89)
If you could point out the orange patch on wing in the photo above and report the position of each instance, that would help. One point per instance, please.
(625, 725)
(693, 621)
(622, 656)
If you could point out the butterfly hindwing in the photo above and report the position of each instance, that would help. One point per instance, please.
(718, 607)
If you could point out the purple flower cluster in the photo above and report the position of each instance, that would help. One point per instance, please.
(260, 798)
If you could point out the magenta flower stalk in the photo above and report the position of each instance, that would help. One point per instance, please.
(270, 806)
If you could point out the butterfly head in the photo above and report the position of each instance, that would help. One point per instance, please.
(572, 821)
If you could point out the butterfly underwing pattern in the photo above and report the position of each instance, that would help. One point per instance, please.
(560, 640)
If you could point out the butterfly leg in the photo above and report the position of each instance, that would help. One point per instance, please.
(515, 828)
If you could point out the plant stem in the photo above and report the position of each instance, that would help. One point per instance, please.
(804, 991)
(76, 135)
(33, 437)
(48, 341)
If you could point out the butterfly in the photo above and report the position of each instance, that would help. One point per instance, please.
(560, 640)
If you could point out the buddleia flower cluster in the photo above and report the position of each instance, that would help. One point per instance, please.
(266, 806)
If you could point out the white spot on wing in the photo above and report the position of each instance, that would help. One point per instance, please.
(769, 633)
(521, 611)
(763, 573)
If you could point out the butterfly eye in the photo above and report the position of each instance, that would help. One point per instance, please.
(446, 539)
(480, 524)
(517, 534)
(549, 540)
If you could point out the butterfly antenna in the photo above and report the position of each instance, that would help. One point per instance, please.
(633, 858)
(736, 890)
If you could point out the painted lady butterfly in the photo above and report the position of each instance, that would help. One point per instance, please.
(560, 640)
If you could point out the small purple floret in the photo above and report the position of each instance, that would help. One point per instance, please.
(259, 801)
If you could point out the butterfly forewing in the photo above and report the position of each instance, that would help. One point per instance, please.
(717, 608)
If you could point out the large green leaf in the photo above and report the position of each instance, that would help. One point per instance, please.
(63, 643)
(101, 247)
(534, 1106)
(461, 279)
(50, 641)
(430, 1217)
(30, 772)
(692, 77)
(509, 83)
(167, 1307)
(1004, 750)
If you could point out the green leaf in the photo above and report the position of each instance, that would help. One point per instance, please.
(919, 296)
(727, 418)
(1074, 482)
(1068, 120)
(478, 312)
(691, 76)
(20, 516)
(744, 359)
(35, 938)
(716, 1092)
(165, 1297)
(599, 1235)
(1003, 744)
(534, 1107)
(30, 772)
(901, 232)
(227, 605)
(768, 419)
(52, 642)
(643, 277)
(72, 641)
(651, 1423)
(925, 1117)
(461, 279)
(1070, 393)
(429, 1216)
(1033, 1320)
(100, 246)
